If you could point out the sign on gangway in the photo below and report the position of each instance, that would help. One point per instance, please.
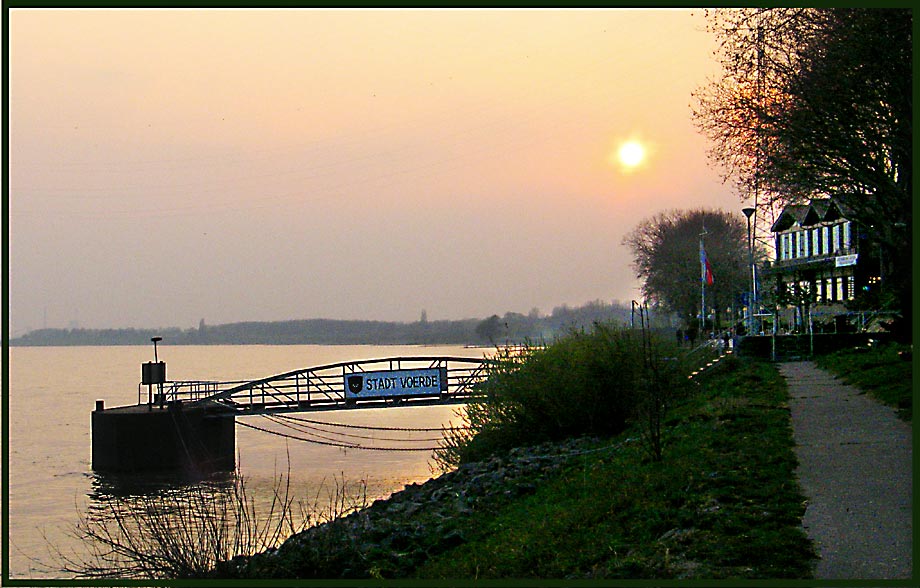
(396, 383)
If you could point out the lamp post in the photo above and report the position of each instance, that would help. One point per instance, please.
(749, 212)
(155, 339)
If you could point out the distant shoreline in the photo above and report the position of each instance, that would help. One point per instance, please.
(300, 332)
(512, 327)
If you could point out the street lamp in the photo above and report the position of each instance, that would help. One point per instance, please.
(749, 212)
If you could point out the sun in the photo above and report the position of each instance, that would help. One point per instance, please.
(631, 154)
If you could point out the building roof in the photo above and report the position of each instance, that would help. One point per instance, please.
(820, 206)
(818, 210)
(791, 214)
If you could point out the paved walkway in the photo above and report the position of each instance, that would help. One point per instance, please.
(855, 469)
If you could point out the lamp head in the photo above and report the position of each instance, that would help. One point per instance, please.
(748, 211)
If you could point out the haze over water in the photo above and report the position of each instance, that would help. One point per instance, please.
(168, 166)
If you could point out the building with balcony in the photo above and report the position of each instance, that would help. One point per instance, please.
(825, 265)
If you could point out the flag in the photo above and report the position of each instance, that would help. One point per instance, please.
(705, 268)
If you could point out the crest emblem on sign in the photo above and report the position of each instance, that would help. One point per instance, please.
(355, 384)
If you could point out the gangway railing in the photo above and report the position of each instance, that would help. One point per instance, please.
(326, 386)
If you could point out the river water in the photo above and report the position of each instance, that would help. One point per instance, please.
(52, 392)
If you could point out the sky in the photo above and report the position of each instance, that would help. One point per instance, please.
(169, 166)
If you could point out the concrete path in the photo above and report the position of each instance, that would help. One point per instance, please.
(855, 469)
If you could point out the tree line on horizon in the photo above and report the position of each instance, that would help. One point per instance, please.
(512, 327)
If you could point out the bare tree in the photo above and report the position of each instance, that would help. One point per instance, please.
(758, 52)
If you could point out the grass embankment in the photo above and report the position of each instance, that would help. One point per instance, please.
(885, 373)
(722, 503)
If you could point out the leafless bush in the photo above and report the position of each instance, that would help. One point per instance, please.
(184, 533)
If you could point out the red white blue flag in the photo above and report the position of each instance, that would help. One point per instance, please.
(705, 268)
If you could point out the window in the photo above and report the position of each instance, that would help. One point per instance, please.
(835, 238)
(840, 288)
(847, 243)
(816, 241)
(826, 240)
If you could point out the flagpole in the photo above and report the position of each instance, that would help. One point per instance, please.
(702, 284)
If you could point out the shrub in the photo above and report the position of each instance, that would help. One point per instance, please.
(585, 384)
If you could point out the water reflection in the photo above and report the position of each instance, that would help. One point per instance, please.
(106, 486)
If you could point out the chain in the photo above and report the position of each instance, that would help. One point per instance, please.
(308, 429)
(342, 445)
(368, 427)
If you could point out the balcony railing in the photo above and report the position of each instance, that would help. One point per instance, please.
(817, 260)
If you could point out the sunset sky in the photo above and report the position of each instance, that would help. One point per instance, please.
(232, 165)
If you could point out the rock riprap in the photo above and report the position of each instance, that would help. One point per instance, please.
(391, 537)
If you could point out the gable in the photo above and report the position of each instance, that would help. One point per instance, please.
(791, 215)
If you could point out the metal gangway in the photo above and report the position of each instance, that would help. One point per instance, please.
(369, 383)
